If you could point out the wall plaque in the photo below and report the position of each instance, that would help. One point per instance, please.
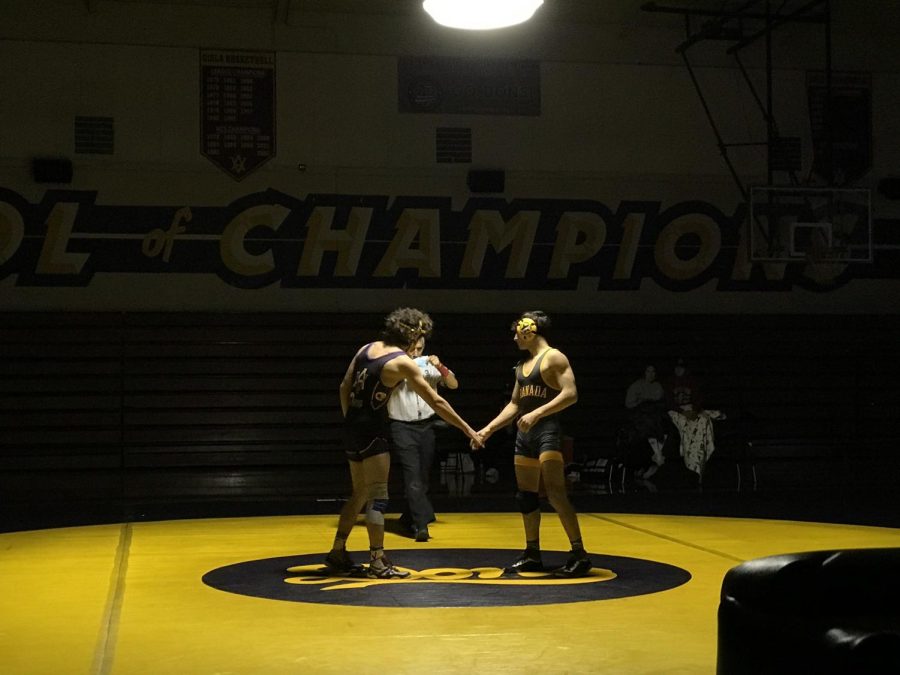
(237, 110)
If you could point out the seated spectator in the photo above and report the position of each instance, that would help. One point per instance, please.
(644, 400)
(691, 419)
(683, 391)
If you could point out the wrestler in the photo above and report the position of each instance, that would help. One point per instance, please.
(373, 374)
(544, 386)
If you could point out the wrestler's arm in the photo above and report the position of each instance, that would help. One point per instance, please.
(509, 412)
(347, 385)
(558, 375)
(417, 382)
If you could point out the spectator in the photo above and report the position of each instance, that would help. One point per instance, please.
(683, 391)
(693, 422)
(646, 415)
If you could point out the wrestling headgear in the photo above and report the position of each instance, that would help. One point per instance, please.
(413, 333)
(526, 326)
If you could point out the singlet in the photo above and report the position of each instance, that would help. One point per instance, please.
(533, 391)
(367, 409)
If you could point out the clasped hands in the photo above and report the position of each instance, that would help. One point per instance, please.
(524, 423)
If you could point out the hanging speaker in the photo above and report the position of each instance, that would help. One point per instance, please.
(486, 181)
(51, 170)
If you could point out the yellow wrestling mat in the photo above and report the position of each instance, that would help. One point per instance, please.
(244, 596)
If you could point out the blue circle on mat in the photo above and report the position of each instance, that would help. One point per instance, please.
(446, 578)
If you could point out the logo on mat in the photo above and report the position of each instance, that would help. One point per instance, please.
(446, 578)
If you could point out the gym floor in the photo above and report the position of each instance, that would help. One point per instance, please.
(246, 595)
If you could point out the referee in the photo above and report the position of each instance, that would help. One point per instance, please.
(412, 434)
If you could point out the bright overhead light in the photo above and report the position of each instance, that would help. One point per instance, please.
(481, 14)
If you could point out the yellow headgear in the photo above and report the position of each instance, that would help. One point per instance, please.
(526, 326)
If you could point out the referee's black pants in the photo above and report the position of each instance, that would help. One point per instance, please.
(413, 451)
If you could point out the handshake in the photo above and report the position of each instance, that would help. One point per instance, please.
(477, 439)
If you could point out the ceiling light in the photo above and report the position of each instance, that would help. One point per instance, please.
(481, 14)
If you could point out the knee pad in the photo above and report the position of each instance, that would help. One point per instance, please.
(527, 501)
(377, 504)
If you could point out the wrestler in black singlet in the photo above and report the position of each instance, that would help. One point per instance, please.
(533, 393)
(366, 430)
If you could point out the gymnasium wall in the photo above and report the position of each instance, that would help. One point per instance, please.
(164, 314)
(616, 198)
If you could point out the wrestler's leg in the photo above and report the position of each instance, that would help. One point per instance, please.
(338, 559)
(375, 471)
(528, 481)
(553, 474)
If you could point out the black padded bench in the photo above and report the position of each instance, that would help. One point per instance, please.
(822, 612)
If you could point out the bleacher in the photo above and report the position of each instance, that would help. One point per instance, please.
(182, 406)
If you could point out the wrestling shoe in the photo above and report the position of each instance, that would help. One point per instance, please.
(578, 565)
(339, 562)
(422, 534)
(529, 561)
(382, 568)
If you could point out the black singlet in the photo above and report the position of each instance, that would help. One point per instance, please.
(546, 435)
(366, 422)
(533, 391)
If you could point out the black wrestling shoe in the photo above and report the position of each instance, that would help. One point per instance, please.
(382, 568)
(529, 561)
(422, 534)
(578, 565)
(339, 562)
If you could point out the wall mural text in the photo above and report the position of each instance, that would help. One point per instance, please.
(359, 241)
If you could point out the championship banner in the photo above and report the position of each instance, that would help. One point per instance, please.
(237, 110)
(416, 242)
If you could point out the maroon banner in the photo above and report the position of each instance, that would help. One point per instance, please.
(237, 110)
